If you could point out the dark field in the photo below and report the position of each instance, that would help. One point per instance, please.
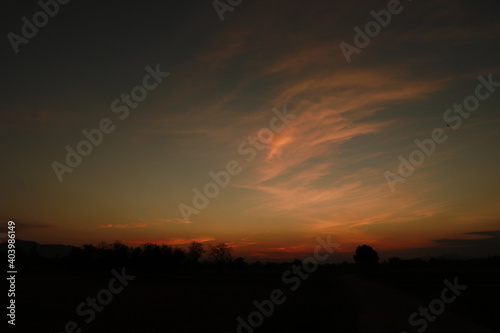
(334, 298)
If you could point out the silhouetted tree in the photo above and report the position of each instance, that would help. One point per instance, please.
(222, 253)
(120, 248)
(120, 252)
(89, 254)
(166, 251)
(366, 256)
(395, 262)
(239, 263)
(195, 251)
(102, 246)
(90, 249)
(179, 256)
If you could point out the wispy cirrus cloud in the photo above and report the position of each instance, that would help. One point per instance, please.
(307, 166)
(324, 166)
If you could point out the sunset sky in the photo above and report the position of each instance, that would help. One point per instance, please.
(322, 174)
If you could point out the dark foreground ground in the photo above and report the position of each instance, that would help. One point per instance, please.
(331, 299)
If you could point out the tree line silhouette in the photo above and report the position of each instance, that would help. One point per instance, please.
(154, 258)
(148, 257)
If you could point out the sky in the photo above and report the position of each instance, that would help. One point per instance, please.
(311, 119)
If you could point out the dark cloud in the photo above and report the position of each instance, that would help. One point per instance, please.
(32, 225)
(487, 244)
